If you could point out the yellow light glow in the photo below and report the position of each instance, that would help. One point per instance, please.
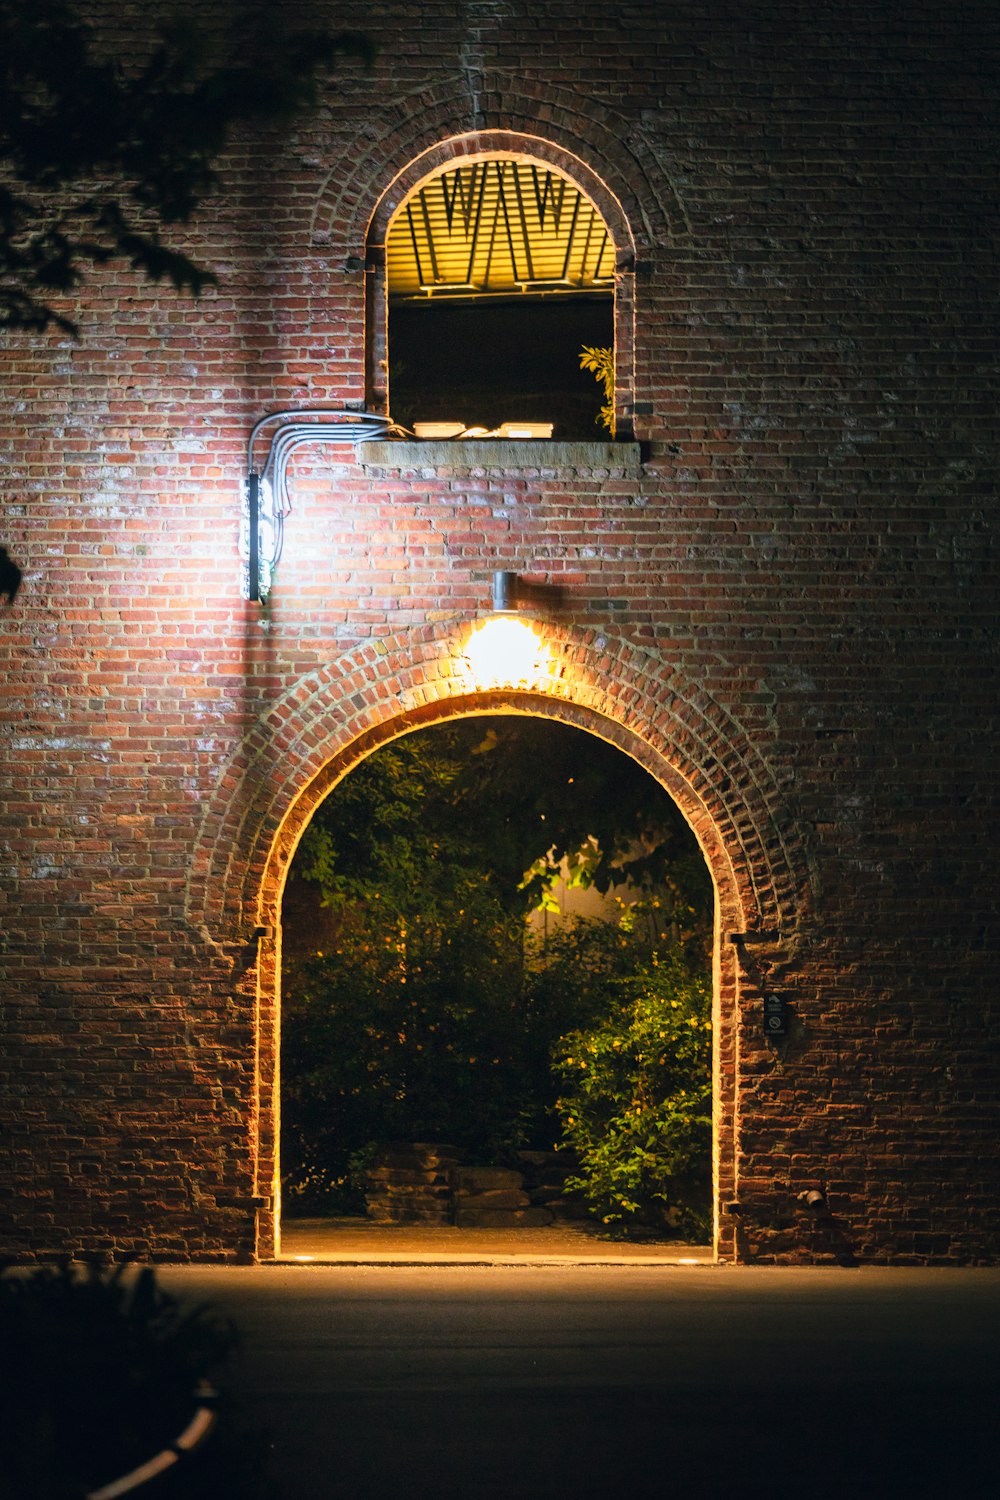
(504, 651)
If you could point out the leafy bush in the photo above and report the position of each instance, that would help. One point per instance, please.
(597, 1038)
(635, 1101)
(98, 1374)
(601, 362)
(410, 1033)
(433, 1008)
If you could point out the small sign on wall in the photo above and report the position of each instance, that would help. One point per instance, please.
(775, 1016)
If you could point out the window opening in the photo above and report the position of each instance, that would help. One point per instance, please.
(500, 274)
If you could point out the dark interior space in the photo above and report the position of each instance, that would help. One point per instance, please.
(483, 362)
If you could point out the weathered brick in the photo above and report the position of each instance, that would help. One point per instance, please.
(787, 613)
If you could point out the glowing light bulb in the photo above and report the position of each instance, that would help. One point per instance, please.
(504, 651)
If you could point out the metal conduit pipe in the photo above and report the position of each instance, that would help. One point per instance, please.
(266, 492)
(343, 426)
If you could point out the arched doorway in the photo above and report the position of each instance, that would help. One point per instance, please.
(326, 722)
(735, 899)
(497, 934)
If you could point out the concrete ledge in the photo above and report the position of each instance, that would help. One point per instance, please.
(498, 453)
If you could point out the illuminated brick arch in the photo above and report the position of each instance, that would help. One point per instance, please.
(491, 143)
(329, 721)
(324, 723)
(575, 129)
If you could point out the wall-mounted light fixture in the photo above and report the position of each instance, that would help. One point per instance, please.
(261, 536)
(504, 592)
(506, 649)
(266, 501)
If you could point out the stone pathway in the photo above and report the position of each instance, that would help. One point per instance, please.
(355, 1242)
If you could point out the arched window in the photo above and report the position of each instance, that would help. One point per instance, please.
(499, 270)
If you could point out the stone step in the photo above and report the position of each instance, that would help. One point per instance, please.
(492, 1198)
(422, 1200)
(402, 1161)
(409, 1216)
(502, 1218)
(484, 1179)
(414, 1175)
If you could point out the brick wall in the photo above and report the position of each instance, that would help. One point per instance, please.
(786, 610)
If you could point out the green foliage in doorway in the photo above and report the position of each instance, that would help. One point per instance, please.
(403, 1030)
(431, 1005)
(636, 1103)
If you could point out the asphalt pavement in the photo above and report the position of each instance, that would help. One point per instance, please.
(523, 1382)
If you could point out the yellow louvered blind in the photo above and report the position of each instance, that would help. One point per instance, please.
(498, 227)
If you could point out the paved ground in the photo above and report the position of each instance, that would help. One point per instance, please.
(524, 1382)
(356, 1242)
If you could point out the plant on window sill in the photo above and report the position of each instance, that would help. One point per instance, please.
(601, 361)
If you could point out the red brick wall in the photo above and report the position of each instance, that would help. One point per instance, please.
(788, 612)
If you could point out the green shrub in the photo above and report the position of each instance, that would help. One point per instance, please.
(463, 1037)
(98, 1373)
(601, 363)
(635, 1100)
(402, 1032)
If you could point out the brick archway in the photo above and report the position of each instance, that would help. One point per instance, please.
(580, 129)
(323, 726)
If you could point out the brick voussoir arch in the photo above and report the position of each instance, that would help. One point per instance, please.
(326, 722)
(442, 154)
(555, 123)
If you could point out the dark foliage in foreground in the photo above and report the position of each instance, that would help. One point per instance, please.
(100, 1372)
(99, 157)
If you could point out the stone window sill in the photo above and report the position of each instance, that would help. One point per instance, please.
(499, 453)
